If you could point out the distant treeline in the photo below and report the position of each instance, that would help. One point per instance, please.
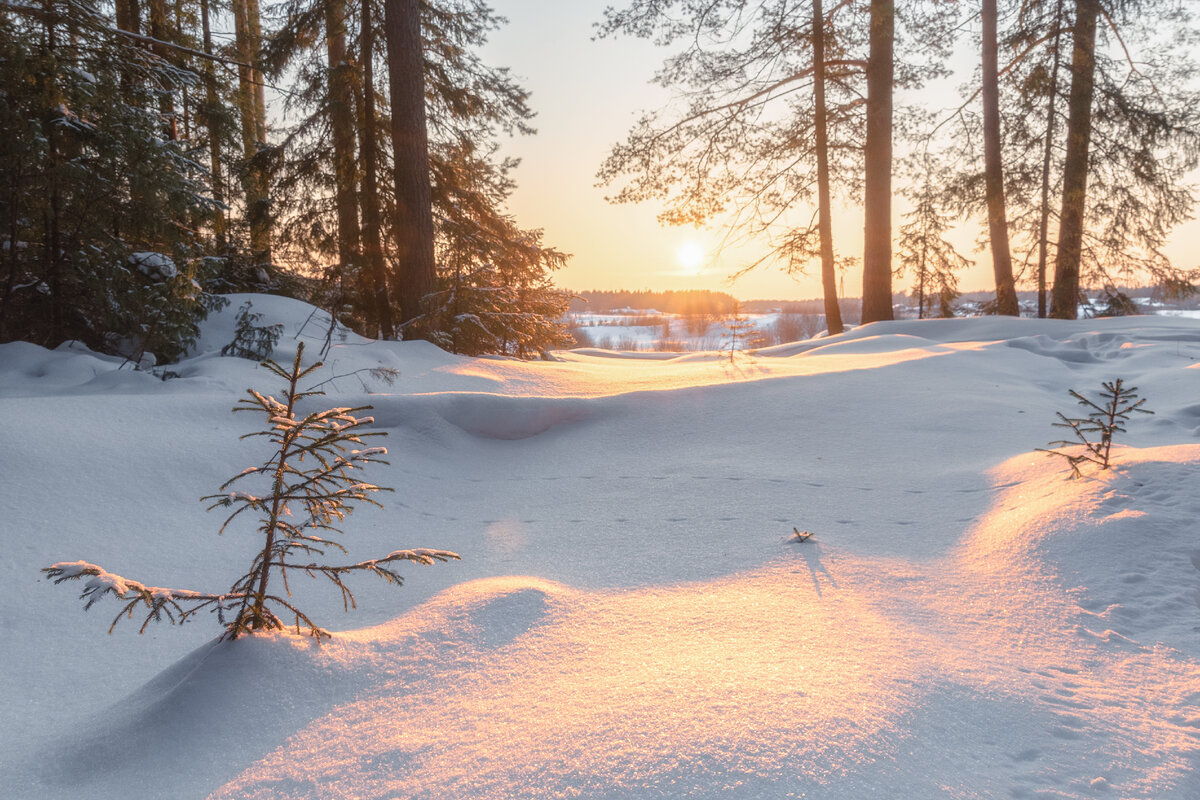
(699, 302)
(689, 303)
(703, 302)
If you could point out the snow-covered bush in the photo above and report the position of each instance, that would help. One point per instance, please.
(1105, 420)
(299, 493)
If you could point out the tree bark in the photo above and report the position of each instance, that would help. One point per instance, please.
(158, 32)
(341, 122)
(1047, 158)
(372, 216)
(414, 212)
(877, 185)
(258, 88)
(212, 121)
(253, 115)
(833, 314)
(128, 16)
(1064, 301)
(1006, 294)
(52, 244)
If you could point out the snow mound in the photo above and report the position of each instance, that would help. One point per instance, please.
(497, 417)
(27, 370)
(237, 701)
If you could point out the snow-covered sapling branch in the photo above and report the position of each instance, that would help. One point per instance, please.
(1095, 432)
(307, 485)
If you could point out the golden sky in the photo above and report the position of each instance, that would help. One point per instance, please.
(587, 94)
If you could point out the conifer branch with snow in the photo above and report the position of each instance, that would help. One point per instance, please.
(302, 504)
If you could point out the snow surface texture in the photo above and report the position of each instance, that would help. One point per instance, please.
(629, 620)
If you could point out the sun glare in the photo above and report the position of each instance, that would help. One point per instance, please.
(690, 256)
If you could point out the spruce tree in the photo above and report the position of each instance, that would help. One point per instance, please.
(100, 207)
(923, 250)
(300, 494)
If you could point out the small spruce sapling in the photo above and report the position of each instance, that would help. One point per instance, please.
(312, 486)
(740, 334)
(249, 340)
(1096, 431)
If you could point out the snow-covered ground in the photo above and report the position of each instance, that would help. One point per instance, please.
(628, 619)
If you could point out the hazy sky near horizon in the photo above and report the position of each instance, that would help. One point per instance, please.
(587, 94)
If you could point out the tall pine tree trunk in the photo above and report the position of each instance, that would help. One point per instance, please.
(212, 121)
(1047, 160)
(341, 123)
(1006, 294)
(128, 15)
(158, 31)
(1064, 301)
(52, 242)
(128, 19)
(833, 314)
(254, 129)
(254, 29)
(414, 211)
(877, 185)
(372, 216)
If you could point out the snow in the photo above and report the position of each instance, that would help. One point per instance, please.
(155, 266)
(629, 618)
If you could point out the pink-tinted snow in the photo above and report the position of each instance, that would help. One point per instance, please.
(629, 619)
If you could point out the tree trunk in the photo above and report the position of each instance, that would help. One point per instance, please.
(212, 121)
(253, 115)
(414, 212)
(877, 185)
(922, 271)
(1047, 157)
(258, 88)
(833, 314)
(341, 123)
(158, 31)
(1006, 294)
(1064, 302)
(128, 16)
(372, 216)
(128, 19)
(52, 241)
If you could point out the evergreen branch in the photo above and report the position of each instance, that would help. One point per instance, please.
(53, 16)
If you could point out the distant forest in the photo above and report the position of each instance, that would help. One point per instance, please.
(703, 302)
(691, 302)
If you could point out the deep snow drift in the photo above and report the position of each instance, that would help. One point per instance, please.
(628, 620)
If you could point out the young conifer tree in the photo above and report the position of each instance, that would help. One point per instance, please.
(925, 252)
(311, 487)
(1096, 431)
(740, 334)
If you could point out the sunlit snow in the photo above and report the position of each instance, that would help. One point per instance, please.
(630, 619)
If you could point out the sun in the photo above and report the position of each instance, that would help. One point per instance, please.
(690, 256)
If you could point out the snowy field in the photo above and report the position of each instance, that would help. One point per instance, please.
(651, 330)
(628, 619)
